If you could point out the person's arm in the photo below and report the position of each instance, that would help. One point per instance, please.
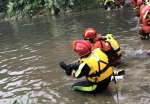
(144, 22)
(83, 70)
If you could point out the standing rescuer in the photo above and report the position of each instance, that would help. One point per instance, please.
(93, 64)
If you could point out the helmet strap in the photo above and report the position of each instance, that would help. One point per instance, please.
(85, 55)
(91, 40)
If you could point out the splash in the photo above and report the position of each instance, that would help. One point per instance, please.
(129, 52)
(136, 28)
(135, 53)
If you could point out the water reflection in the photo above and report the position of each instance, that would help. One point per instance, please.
(31, 49)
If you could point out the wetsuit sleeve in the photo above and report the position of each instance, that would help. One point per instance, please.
(83, 70)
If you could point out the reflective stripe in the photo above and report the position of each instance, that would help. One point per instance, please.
(79, 69)
(108, 1)
(145, 15)
(143, 37)
(83, 88)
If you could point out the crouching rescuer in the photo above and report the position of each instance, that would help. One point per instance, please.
(93, 64)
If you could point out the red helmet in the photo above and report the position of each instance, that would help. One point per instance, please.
(82, 47)
(139, 2)
(89, 33)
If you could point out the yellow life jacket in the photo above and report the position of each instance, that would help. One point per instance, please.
(99, 66)
(114, 44)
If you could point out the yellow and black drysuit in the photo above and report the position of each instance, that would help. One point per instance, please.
(97, 70)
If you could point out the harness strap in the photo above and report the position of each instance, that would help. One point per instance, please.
(117, 49)
(101, 42)
(114, 53)
(100, 39)
(100, 71)
(114, 78)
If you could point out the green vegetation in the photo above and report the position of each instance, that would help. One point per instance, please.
(29, 8)
(19, 100)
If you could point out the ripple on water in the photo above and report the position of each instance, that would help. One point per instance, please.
(3, 71)
(47, 97)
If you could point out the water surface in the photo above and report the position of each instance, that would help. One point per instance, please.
(31, 49)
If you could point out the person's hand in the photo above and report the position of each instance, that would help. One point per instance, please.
(73, 71)
(148, 52)
(78, 59)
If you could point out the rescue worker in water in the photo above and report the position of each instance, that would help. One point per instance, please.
(108, 44)
(144, 31)
(92, 64)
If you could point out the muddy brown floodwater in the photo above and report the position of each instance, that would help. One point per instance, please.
(30, 50)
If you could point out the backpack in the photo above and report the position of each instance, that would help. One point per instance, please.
(115, 51)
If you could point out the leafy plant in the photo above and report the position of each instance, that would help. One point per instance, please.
(48, 4)
(36, 4)
(27, 9)
(19, 101)
(31, 7)
(10, 7)
(2, 15)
